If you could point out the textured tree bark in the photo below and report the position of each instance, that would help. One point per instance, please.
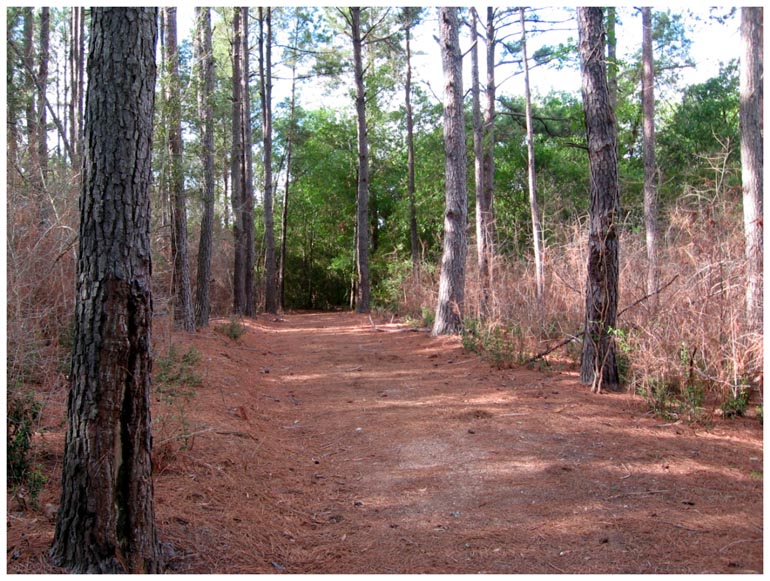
(598, 367)
(362, 198)
(752, 158)
(266, 76)
(648, 145)
(249, 250)
(482, 256)
(184, 317)
(236, 171)
(451, 294)
(486, 207)
(105, 522)
(205, 59)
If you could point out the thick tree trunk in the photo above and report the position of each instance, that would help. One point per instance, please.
(236, 172)
(249, 249)
(752, 158)
(612, 57)
(451, 294)
(184, 317)
(266, 77)
(648, 146)
(362, 197)
(537, 229)
(205, 58)
(105, 522)
(598, 367)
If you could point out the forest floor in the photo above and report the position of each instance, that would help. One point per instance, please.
(323, 443)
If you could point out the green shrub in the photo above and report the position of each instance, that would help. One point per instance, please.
(23, 413)
(175, 371)
(233, 329)
(736, 403)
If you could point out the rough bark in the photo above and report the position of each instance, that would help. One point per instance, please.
(478, 156)
(184, 317)
(236, 172)
(105, 521)
(451, 294)
(612, 57)
(205, 59)
(266, 78)
(598, 367)
(488, 199)
(362, 196)
(537, 229)
(752, 158)
(648, 146)
(249, 250)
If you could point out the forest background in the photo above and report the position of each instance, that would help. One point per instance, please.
(682, 343)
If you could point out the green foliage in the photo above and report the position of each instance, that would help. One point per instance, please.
(736, 402)
(233, 329)
(23, 414)
(176, 371)
(503, 347)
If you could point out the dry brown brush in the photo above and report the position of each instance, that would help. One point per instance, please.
(687, 348)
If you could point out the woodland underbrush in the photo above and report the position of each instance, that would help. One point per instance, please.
(686, 350)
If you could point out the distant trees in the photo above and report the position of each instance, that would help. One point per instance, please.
(105, 522)
(598, 367)
(451, 293)
(184, 317)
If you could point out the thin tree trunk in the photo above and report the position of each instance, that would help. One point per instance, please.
(105, 522)
(205, 59)
(42, 85)
(482, 254)
(451, 294)
(598, 367)
(362, 197)
(184, 317)
(249, 251)
(236, 173)
(537, 229)
(289, 150)
(488, 199)
(413, 237)
(31, 88)
(752, 158)
(265, 68)
(648, 146)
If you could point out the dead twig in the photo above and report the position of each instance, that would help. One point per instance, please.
(643, 493)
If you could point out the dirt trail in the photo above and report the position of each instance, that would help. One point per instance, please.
(320, 444)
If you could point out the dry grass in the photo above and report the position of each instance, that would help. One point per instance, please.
(690, 337)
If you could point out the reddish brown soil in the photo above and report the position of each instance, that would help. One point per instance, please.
(318, 443)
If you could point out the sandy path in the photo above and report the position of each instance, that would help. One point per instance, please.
(319, 444)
